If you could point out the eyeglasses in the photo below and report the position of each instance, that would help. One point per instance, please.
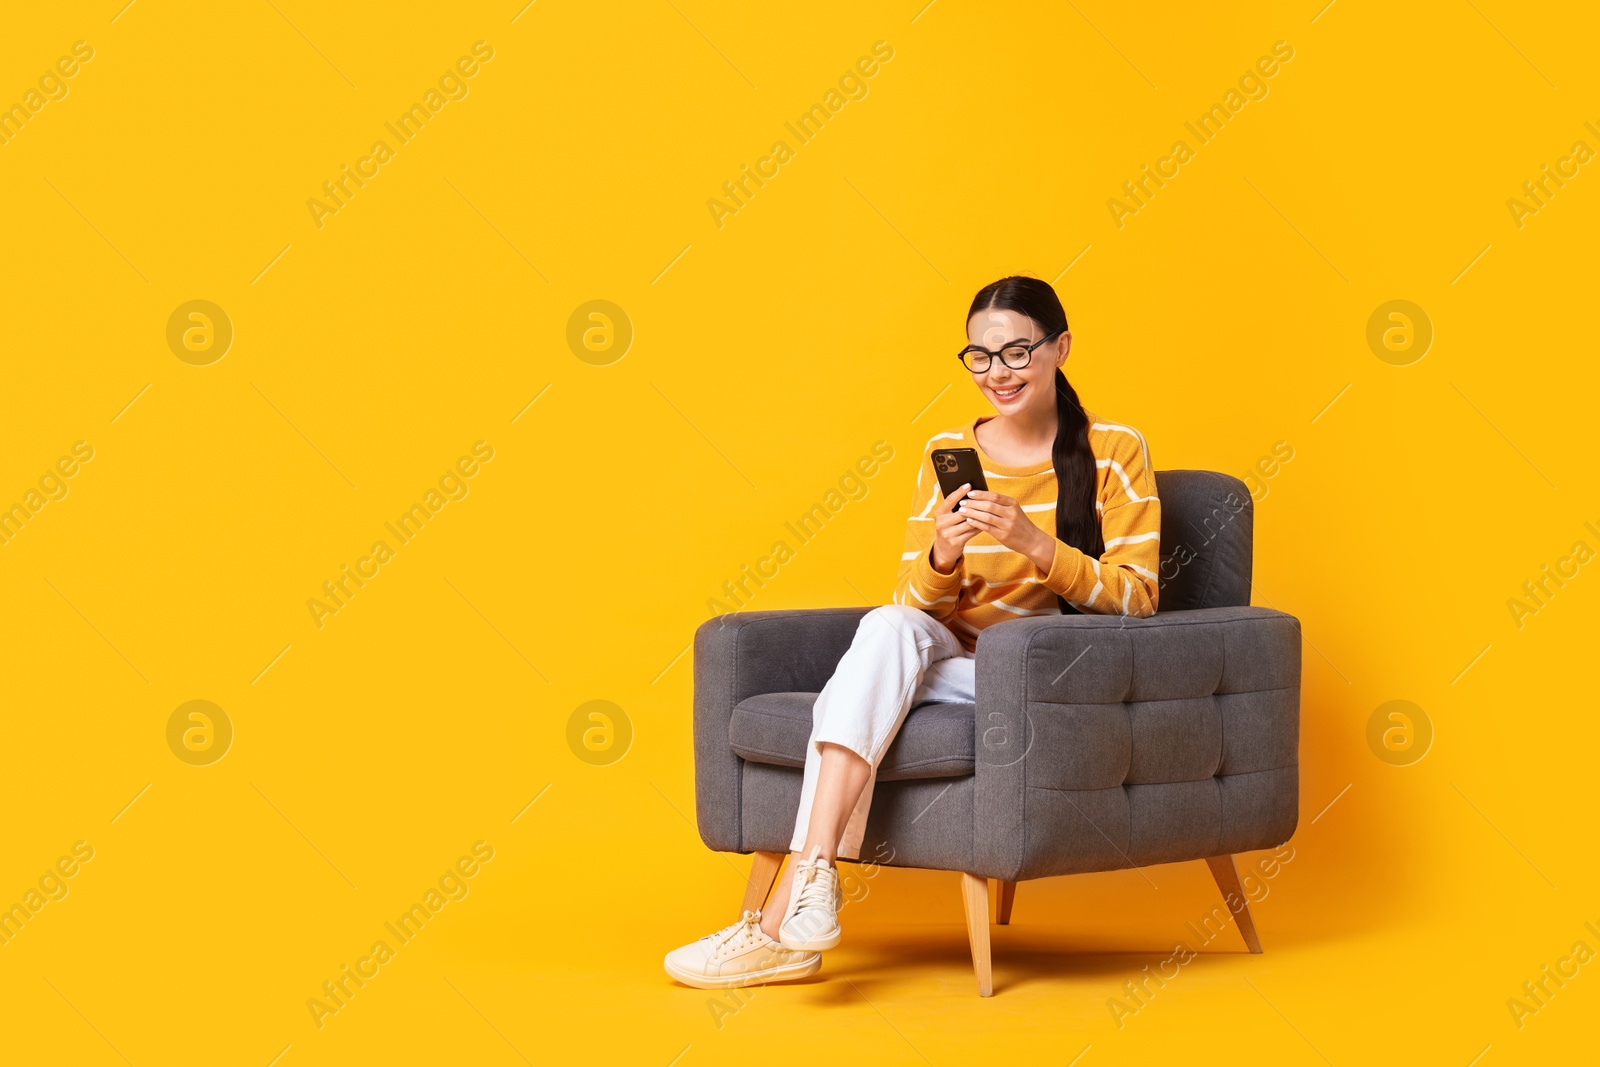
(1015, 355)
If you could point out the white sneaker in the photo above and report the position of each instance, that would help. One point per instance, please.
(812, 919)
(740, 954)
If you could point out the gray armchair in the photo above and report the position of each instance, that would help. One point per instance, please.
(1097, 742)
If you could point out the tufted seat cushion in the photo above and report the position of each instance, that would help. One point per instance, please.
(935, 741)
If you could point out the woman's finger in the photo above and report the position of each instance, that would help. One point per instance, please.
(948, 503)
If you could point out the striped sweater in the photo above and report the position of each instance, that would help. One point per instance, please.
(992, 583)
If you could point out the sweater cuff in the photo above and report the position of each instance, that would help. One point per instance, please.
(933, 581)
(1065, 569)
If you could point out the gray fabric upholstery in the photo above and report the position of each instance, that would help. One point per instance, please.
(935, 741)
(1097, 741)
(1131, 755)
(740, 655)
(1207, 530)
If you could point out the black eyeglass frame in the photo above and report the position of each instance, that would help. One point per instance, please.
(1028, 348)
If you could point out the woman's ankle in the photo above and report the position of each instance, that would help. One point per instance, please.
(805, 853)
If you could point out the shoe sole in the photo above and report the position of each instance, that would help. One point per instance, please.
(813, 944)
(784, 973)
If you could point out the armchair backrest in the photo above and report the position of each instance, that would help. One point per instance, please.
(1207, 534)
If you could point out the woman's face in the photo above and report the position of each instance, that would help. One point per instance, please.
(1031, 390)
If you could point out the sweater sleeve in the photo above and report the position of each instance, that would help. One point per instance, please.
(918, 584)
(1123, 580)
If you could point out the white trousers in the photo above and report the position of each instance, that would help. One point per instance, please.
(900, 657)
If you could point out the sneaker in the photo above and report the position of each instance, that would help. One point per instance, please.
(812, 919)
(740, 954)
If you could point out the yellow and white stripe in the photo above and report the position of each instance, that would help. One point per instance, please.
(993, 583)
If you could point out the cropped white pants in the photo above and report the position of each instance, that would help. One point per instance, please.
(900, 657)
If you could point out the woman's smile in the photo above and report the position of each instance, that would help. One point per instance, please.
(1007, 393)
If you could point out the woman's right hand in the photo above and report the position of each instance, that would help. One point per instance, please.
(951, 532)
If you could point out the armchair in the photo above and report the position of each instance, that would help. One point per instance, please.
(1097, 742)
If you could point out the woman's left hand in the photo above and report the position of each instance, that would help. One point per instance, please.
(1002, 518)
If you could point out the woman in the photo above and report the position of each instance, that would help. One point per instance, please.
(971, 559)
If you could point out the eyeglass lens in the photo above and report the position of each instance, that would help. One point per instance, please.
(1015, 357)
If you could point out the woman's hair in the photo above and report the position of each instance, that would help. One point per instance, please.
(1076, 521)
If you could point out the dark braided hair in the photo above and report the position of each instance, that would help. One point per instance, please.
(1077, 524)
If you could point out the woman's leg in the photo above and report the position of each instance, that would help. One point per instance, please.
(855, 719)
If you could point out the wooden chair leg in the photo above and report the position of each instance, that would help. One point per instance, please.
(975, 899)
(763, 876)
(1227, 876)
(1004, 894)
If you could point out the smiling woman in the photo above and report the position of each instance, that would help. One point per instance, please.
(1074, 525)
(981, 556)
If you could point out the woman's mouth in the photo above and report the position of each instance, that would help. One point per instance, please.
(1009, 393)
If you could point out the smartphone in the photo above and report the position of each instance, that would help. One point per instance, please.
(957, 467)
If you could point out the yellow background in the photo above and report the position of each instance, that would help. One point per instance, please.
(769, 355)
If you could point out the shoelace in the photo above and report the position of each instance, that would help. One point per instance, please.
(736, 936)
(819, 885)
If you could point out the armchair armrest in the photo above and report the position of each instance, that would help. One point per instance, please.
(740, 655)
(1135, 740)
